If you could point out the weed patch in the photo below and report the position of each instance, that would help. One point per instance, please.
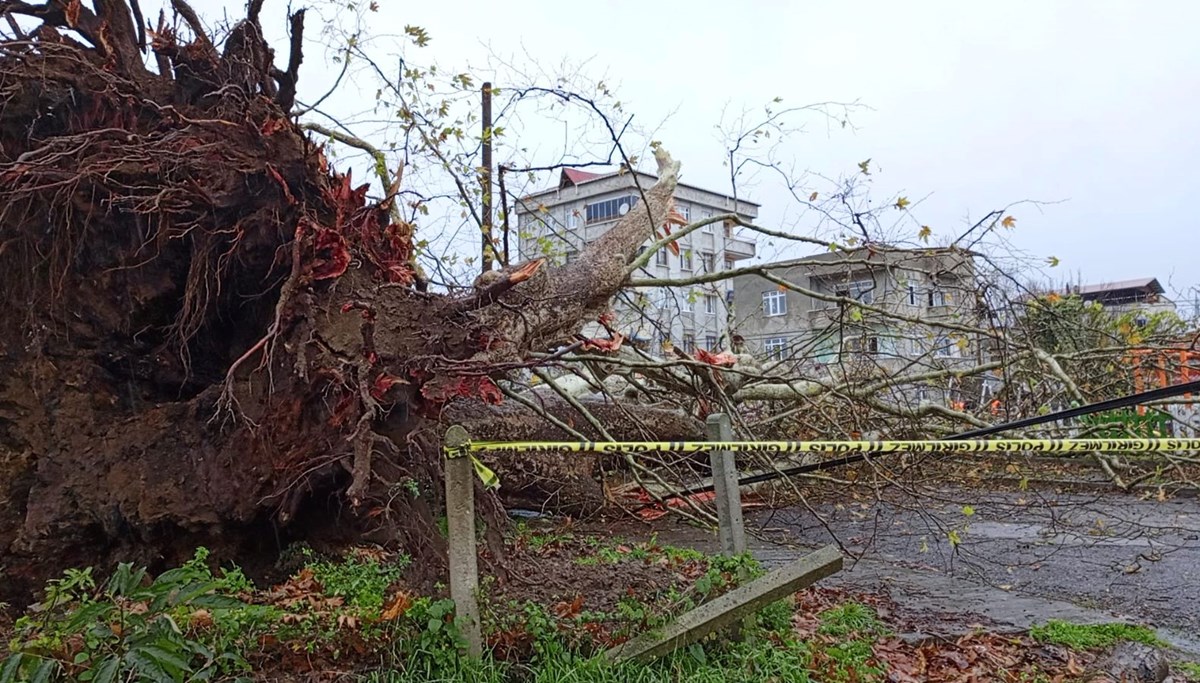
(1092, 636)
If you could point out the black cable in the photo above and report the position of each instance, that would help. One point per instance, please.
(1098, 407)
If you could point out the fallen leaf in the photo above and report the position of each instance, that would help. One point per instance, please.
(397, 607)
(201, 619)
(566, 610)
(956, 658)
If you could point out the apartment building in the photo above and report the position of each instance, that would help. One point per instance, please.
(558, 223)
(900, 292)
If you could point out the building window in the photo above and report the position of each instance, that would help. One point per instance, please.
(705, 215)
(710, 303)
(862, 291)
(610, 209)
(728, 230)
(710, 342)
(775, 348)
(665, 300)
(684, 210)
(685, 259)
(661, 257)
(774, 303)
(938, 297)
(729, 264)
(912, 295)
(887, 345)
(689, 342)
(573, 219)
(825, 350)
(708, 261)
(571, 256)
(945, 347)
(860, 345)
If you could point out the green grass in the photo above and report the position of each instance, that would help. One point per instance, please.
(849, 619)
(1092, 636)
(737, 662)
(1190, 670)
(855, 627)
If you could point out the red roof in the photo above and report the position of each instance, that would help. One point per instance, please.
(574, 176)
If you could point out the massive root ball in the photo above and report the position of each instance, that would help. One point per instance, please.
(169, 244)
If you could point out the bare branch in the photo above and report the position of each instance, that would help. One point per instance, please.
(287, 79)
(183, 9)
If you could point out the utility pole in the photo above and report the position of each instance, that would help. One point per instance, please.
(504, 212)
(485, 180)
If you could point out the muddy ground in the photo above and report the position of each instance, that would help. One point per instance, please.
(1019, 557)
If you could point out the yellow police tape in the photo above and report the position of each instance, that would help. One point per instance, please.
(835, 447)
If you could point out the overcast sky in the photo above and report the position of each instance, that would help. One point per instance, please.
(1091, 106)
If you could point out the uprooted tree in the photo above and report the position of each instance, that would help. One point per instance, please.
(210, 336)
(207, 332)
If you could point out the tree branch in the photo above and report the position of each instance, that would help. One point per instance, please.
(183, 9)
(140, 22)
(287, 79)
(83, 20)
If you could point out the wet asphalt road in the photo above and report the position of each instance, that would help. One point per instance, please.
(1112, 552)
(1006, 558)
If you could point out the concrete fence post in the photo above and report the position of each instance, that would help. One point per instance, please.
(460, 526)
(739, 603)
(728, 499)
